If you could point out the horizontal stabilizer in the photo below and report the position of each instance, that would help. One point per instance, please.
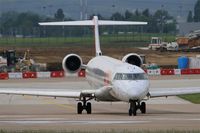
(72, 23)
(104, 22)
(91, 23)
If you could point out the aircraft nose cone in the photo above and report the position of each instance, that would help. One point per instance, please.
(137, 91)
(131, 90)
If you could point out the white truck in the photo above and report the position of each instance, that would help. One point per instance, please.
(158, 44)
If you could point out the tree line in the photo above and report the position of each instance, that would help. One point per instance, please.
(196, 16)
(26, 23)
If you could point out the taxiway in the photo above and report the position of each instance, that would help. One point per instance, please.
(27, 112)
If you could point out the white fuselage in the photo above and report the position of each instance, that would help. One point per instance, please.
(101, 74)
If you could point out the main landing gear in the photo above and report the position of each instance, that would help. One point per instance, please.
(84, 105)
(134, 106)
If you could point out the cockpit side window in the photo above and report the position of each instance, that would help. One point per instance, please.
(130, 76)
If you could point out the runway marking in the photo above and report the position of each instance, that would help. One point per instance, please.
(176, 119)
(82, 122)
(47, 100)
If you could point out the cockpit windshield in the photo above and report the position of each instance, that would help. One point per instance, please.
(130, 76)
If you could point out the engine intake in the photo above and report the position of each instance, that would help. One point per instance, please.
(72, 63)
(133, 59)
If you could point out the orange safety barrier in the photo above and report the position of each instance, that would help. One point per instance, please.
(167, 72)
(81, 73)
(3, 75)
(57, 74)
(26, 75)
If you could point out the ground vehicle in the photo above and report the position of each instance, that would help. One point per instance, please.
(172, 46)
(8, 61)
(155, 43)
(158, 44)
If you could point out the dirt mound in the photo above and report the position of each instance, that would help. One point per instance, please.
(56, 54)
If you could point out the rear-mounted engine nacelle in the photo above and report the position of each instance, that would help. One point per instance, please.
(133, 59)
(72, 63)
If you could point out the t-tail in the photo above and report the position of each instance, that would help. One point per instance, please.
(94, 22)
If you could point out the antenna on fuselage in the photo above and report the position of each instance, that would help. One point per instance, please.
(96, 23)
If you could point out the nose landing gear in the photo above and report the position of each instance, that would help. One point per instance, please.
(134, 106)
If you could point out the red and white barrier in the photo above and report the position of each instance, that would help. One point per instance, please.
(27, 75)
(82, 74)
(15, 75)
(3, 75)
(167, 72)
(57, 74)
(153, 72)
(43, 74)
(177, 71)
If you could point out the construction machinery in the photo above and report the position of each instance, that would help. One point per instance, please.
(10, 63)
(189, 42)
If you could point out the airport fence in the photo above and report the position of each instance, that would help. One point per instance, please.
(133, 39)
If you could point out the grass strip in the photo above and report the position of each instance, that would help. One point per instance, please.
(194, 98)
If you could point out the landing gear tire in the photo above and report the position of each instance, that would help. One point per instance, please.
(143, 108)
(84, 105)
(79, 108)
(89, 108)
(133, 108)
(130, 112)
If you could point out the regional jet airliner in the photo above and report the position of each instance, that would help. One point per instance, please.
(111, 79)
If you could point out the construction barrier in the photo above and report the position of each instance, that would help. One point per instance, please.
(167, 72)
(27, 75)
(153, 72)
(71, 74)
(81, 73)
(15, 75)
(57, 74)
(177, 71)
(190, 71)
(43, 74)
(150, 72)
(3, 75)
(196, 71)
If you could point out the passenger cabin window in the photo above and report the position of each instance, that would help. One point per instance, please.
(130, 76)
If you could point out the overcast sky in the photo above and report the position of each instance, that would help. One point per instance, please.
(72, 8)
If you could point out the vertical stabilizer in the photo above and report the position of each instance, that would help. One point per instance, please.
(96, 34)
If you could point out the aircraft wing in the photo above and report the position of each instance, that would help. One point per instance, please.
(47, 92)
(165, 92)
